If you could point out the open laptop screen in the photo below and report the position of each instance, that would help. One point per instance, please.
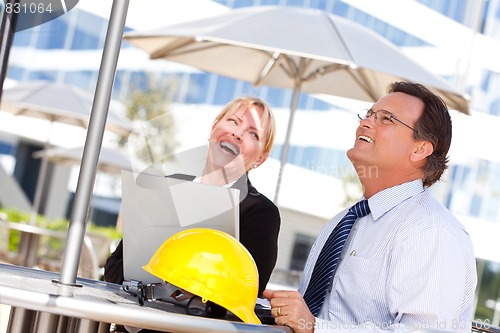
(157, 207)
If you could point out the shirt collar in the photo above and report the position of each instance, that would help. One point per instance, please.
(385, 200)
(198, 180)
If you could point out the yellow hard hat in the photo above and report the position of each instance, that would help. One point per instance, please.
(213, 265)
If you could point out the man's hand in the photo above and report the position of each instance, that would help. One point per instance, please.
(289, 309)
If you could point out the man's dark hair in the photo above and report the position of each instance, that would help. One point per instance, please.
(434, 125)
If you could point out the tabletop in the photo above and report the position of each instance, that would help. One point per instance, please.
(104, 302)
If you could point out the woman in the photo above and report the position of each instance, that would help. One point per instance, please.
(241, 139)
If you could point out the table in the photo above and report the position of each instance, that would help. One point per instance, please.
(41, 304)
(27, 252)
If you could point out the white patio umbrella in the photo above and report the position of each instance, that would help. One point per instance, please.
(58, 103)
(306, 50)
(111, 160)
(61, 103)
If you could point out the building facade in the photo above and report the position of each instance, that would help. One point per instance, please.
(458, 40)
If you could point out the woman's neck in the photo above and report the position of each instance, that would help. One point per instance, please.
(219, 177)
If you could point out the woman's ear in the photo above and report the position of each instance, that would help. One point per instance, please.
(422, 150)
(262, 158)
(212, 130)
(214, 124)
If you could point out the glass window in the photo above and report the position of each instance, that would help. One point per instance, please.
(320, 105)
(275, 97)
(490, 209)
(301, 248)
(82, 79)
(16, 73)
(125, 43)
(454, 9)
(138, 80)
(296, 3)
(52, 34)
(198, 87)
(248, 89)
(120, 82)
(88, 32)
(43, 75)
(6, 148)
(83, 41)
(276, 151)
(396, 36)
(224, 90)
(239, 3)
(303, 99)
(269, 2)
(23, 38)
(341, 9)
(495, 108)
(485, 80)
(475, 206)
(485, 19)
(326, 5)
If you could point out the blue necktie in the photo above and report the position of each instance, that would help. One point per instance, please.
(329, 256)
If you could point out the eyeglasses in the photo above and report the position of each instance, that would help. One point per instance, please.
(383, 117)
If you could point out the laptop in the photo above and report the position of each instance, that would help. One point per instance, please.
(156, 207)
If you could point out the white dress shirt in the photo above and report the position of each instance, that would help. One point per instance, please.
(407, 265)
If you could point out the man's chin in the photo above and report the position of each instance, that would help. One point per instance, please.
(351, 153)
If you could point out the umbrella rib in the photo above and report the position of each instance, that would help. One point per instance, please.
(202, 44)
(295, 72)
(339, 35)
(35, 91)
(363, 83)
(171, 48)
(271, 63)
(320, 71)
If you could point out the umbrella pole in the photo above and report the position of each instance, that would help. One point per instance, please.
(93, 142)
(40, 182)
(284, 150)
(9, 23)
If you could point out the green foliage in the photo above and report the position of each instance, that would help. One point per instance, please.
(148, 106)
(488, 290)
(53, 245)
(14, 215)
(109, 232)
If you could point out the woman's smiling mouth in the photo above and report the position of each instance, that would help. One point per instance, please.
(230, 148)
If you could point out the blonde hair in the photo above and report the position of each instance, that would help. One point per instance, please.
(267, 121)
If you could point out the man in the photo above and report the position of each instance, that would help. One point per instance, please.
(408, 264)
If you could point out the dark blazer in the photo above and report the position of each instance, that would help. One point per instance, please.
(259, 228)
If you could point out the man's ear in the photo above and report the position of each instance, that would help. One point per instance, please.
(422, 150)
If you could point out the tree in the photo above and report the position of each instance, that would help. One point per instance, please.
(148, 108)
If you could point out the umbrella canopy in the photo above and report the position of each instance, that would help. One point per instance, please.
(60, 103)
(110, 160)
(306, 50)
